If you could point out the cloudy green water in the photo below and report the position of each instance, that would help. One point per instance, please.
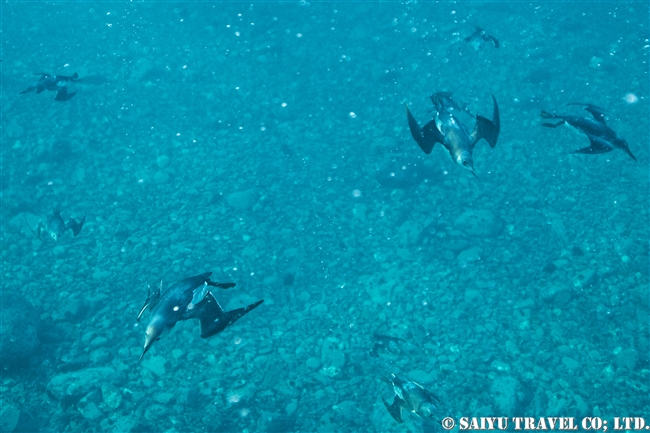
(267, 143)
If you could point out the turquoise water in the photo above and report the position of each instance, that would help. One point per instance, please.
(267, 143)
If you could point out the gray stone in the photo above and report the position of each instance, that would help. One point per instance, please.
(291, 407)
(240, 301)
(318, 310)
(561, 263)
(162, 161)
(500, 366)
(275, 422)
(348, 410)
(123, 423)
(604, 271)
(99, 356)
(313, 363)
(627, 359)
(330, 371)
(381, 290)
(242, 199)
(557, 294)
(304, 296)
(570, 363)
(90, 412)
(161, 177)
(472, 296)
(163, 397)
(456, 245)
(72, 308)
(19, 322)
(469, 255)
(422, 377)
(156, 412)
(101, 275)
(409, 233)
(9, 415)
(557, 225)
(583, 278)
(155, 364)
(504, 390)
(111, 396)
(359, 211)
(581, 405)
(77, 384)
(526, 303)
(479, 224)
(98, 341)
(557, 405)
(333, 358)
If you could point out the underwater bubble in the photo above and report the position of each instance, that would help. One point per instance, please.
(631, 98)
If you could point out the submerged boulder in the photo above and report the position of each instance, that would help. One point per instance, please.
(19, 323)
(9, 416)
(479, 224)
(77, 384)
(242, 199)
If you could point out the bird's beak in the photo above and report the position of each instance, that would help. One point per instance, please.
(143, 352)
(147, 344)
(154, 331)
(629, 152)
